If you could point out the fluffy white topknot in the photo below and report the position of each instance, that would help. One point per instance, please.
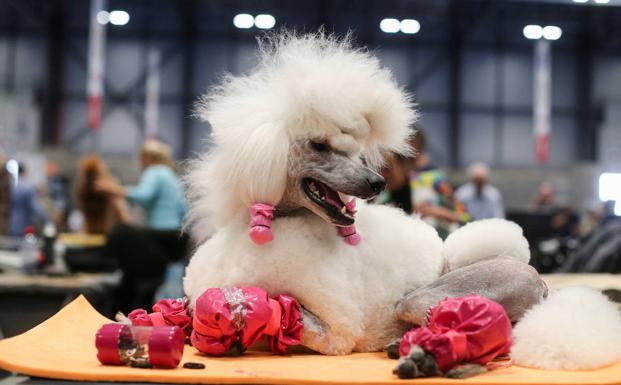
(311, 86)
(573, 329)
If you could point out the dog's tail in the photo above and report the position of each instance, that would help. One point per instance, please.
(573, 329)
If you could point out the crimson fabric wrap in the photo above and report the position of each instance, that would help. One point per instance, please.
(465, 329)
(291, 325)
(173, 311)
(222, 317)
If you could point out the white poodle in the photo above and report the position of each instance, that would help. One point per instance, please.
(303, 132)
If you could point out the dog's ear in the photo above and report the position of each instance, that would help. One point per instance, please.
(258, 166)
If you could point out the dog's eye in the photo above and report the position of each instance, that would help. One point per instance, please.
(320, 147)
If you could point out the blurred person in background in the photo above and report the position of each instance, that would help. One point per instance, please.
(481, 199)
(26, 207)
(397, 192)
(159, 190)
(101, 210)
(432, 195)
(545, 200)
(5, 197)
(144, 253)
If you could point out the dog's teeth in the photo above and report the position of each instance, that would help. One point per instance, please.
(343, 210)
(344, 197)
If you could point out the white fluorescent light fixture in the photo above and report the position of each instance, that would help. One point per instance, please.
(409, 26)
(602, 1)
(610, 187)
(243, 21)
(264, 21)
(533, 32)
(581, 1)
(552, 32)
(390, 25)
(119, 17)
(103, 17)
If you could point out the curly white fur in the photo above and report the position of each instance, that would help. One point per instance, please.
(575, 328)
(309, 86)
(485, 239)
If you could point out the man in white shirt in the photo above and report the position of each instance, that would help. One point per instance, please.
(481, 199)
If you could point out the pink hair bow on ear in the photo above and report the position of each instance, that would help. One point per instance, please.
(261, 216)
(349, 233)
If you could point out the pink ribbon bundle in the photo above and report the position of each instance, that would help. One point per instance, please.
(235, 318)
(229, 320)
(166, 312)
(467, 329)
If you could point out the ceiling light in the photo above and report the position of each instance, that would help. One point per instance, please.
(552, 32)
(243, 21)
(409, 26)
(602, 1)
(533, 32)
(264, 21)
(103, 17)
(390, 25)
(119, 17)
(580, 1)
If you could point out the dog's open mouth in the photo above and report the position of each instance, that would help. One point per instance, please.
(329, 200)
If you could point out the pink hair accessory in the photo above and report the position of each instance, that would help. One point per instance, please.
(261, 216)
(349, 233)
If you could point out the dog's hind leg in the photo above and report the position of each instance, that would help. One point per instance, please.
(318, 336)
(513, 284)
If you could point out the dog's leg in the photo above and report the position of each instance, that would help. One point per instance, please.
(417, 364)
(465, 371)
(513, 284)
(319, 337)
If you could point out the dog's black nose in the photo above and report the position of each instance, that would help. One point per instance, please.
(377, 183)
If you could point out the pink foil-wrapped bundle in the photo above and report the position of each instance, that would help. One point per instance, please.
(166, 312)
(469, 329)
(229, 320)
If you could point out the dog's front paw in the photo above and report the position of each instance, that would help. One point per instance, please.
(319, 337)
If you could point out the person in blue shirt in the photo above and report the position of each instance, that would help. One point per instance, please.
(159, 190)
(26, 208)
(482, 200)
(144, 252)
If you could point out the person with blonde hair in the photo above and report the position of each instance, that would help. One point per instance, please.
(143, 253)
(159, 191)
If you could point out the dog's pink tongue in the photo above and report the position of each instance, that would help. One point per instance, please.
(331, 196)
(351, 206)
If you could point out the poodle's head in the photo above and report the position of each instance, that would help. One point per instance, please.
(304, 129)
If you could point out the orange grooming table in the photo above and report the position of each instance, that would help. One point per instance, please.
(63, 347)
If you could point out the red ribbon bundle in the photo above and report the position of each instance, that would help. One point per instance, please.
(168, 311)
(230, 317)
(224, 318)
(466, 329)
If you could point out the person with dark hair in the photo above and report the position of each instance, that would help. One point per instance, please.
(432, 195)
(101, 211)
(397, 192)
(145, 253)
(5, 197)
